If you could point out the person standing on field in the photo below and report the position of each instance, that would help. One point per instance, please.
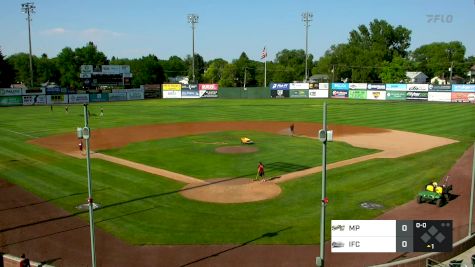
(260, 171)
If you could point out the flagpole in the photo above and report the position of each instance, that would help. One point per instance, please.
(265, 72)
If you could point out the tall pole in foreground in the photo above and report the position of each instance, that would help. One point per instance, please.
(193, 19)
(323, 137)
(86, 135)
(29, 8)
(470, 216)
(306, 17)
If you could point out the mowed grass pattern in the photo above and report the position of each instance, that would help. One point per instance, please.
(146, 209)
(196, 155)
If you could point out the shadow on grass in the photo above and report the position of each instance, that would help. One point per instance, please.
(285, 167)
(266, 235)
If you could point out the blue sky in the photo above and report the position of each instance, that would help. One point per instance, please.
(226, 28)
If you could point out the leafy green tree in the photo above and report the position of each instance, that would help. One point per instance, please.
(229, 77)
(174, 66)
(21, 66)
(395, 71)
(293, 62)
(46, 70)
(436, 58)
(7, 73)
(146, 70)
(214, 71)
(199, 67)
(366, 51)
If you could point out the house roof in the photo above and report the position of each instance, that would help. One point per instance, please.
(473, 67)
(414, 74)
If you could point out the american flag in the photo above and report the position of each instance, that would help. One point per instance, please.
(264, 53)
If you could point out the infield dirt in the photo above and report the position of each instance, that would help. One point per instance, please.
(391, 143)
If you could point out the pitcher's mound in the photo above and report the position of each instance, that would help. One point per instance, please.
(236, 149)
(237, 190)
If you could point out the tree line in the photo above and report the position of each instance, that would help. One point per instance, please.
(378, 52)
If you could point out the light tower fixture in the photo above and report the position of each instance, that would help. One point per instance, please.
(29, 8)
(306, 17)
(193, 19)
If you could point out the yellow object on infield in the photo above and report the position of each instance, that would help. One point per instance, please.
(245, 140)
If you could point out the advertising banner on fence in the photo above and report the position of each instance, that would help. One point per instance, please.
(280, 93)
(172, 94)
(298, 86)
(152, 90)
(298, 93)
(313, 93)
(122, 96)
(312, 85)
(190, 91)
(396, 87)
(339, 94)
(376, 95)
(10, 91)
(396, 95)
(56, 99)
(463, 97)
(414, 95)
(135, 94)
(208, 86)
(29, 100)
(79, 98)
(208, 93)
(468, 88)
(53, 90)
(102, 97)
(376, 86)
(171, 87)
(358, 86)
(440, 88)
(357, 94)
(33, 91)
(16, 100)
(323, 86)
(279, 86)
(340, 86)
(440, 96)
(417, 87)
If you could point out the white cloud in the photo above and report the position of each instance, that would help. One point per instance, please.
(54, 31)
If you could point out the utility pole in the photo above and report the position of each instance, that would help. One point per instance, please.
(306, 17)
(29, 8)
(193, 19)
(451, 69)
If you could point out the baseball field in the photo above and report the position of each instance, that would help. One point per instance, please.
(405, 145)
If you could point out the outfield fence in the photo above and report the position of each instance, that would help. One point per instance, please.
(464, 93)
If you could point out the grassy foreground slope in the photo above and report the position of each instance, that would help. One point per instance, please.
(146, 209)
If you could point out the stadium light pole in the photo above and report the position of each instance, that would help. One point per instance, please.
(193, 19)
(86, 135)
(29, 8)
(306, 17)
(322, 134)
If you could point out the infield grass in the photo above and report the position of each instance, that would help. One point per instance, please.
(146, 209)
(196, 155)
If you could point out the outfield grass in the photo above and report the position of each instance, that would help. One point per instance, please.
(146, 209)
(195, 155)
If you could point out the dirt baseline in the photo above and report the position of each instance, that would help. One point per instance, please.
(391, 143)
